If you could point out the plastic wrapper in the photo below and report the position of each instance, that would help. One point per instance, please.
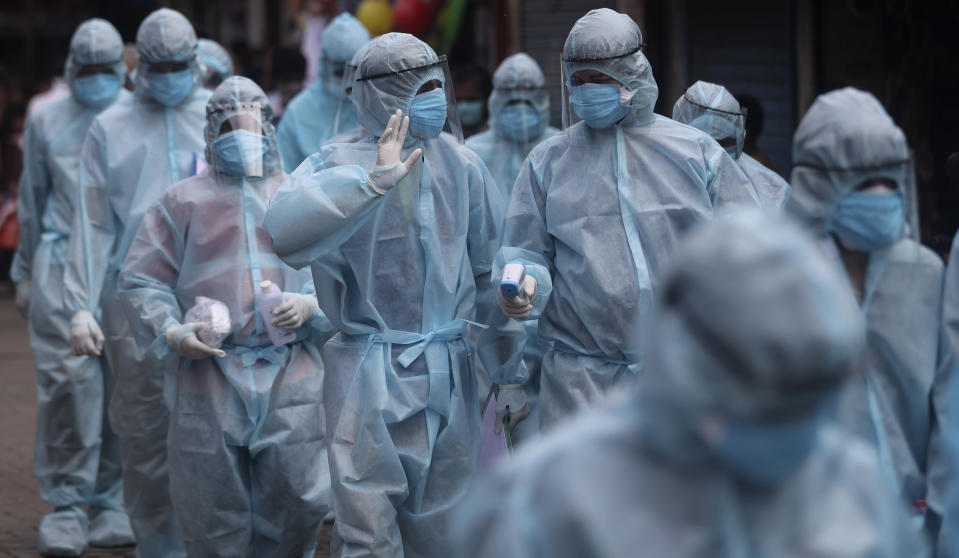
(214, 313)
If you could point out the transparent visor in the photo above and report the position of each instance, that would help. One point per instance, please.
(426, 79)
(240, 147)
(582, 71)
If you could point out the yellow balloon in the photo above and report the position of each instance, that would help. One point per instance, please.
(376, 16)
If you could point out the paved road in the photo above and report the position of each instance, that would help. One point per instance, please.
(20, 507)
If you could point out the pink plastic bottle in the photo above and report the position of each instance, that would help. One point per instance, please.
(267, 299)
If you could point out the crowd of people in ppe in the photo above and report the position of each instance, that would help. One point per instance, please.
(245, 329)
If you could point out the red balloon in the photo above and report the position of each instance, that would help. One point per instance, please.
(412, 16)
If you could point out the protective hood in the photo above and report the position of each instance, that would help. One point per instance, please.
(340, 42)
(845, 139)
(610, 42)
(396, 65)
(712, 109)
(214, 57)
(165, 36)
(237, 96)
(95, 41)
(519, 77)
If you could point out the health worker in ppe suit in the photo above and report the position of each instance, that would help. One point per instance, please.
(76, 454)
(216, 61)
(400, 231)
(519, 121)
(248, 466)
(848, 186)
(134, 151)
(728, 446)
(714, 110)
(597, 210)
(323, 109)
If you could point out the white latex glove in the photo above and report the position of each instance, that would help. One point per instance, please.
(86, 337)
(389, 169)
(22, 298)
(183, 339)
(296, 310)
(519, 306)
(511, 401)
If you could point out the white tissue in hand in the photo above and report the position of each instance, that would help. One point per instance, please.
(215, 313)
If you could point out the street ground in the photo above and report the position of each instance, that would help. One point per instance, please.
(20, 507)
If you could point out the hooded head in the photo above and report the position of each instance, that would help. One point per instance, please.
(239, 132)
(519, 84)
(388, 77)
(167, 68)
(845, 140)
(341, 40)
(95, 69)
(755, 334)
(611, 43)
(714, 110)
(216, 60)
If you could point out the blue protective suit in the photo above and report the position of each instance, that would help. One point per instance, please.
(713, 109)
(399, 276)
(76, 454)
(595, 214)
(248, 466)
(844, 140)
(323, 109)
(134, 151)
(518, 79)
(757, 329)
(216, 61)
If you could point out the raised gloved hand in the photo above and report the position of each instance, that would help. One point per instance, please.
(510, 401)
(86, 337)
(183, 339)
(389, 169)
(296, 310)
(519, 306)
(22, 298)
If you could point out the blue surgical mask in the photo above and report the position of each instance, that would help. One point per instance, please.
(471, 112)
(519, 122)
(170, 89)
(764, 454)
(240, 153)
(96, 91)
(598, 104)
(868, 222)
(428, 114)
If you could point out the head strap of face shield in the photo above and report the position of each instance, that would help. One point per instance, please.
(639, 48)
(866, 168)
(742, 109)
(440, 61)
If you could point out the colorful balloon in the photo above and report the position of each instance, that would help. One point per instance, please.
(413, 16)
(376, 16)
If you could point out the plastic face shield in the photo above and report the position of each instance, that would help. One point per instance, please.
(242, 154)
(570, 66)
(413, 79)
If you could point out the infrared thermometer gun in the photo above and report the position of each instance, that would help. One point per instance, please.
(513, 274)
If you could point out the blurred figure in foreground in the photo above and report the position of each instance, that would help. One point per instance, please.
(850, 173)
(726, 449)
(713, 109)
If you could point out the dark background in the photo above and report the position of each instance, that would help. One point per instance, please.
(782, 52)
